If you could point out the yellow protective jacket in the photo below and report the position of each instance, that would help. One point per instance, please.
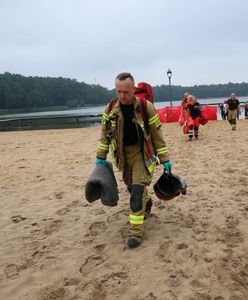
(149, 135)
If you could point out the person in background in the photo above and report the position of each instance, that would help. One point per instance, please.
(135, 146)
(222, 111)
(233, 110)
(225, 108)
(193, 115)
(184, 105)
(246, 110)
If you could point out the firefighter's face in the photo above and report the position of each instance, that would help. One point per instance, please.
(192, 101)
(125, 90)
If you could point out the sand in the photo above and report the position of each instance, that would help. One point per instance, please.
(55, 245)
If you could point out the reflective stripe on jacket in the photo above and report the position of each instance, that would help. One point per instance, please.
(150, 139)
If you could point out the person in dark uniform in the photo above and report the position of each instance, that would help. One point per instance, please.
(223, 110)
(193, 117)
(233, 110)
(246, 110)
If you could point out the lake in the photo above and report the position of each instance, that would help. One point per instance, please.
(98, 110)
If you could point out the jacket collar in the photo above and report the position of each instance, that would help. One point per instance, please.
(117, 106)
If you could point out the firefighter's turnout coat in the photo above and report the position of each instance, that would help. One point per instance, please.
(149, 133)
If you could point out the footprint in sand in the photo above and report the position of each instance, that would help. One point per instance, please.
(17, 218)
(53, 226)
(117, 216)
(99, 288)
(62, 211)
(11, 271)
(74, 281)
(187, 221)
(99, 248)
(151, 296)
(242, 276)
(169, 295)
(52, 292)
(96, 228)
(59, 195)
(164, 253)
(97, 211)
(182, 246)
(91, 263)
(231, 234)
(111, 280)
(67, 209)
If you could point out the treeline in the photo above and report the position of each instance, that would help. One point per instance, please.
(17, 91)
(20, 92)
(201, 91)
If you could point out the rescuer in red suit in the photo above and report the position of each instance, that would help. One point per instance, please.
(184, 105)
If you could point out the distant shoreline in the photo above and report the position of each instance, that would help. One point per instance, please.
(10, 112)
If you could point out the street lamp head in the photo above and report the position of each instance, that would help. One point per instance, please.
(169, 73)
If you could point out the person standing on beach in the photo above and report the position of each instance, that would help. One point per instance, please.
(135, 144)
(233, 110)
(223, 110)
(193, 115)
(246, 110)
(184, 105)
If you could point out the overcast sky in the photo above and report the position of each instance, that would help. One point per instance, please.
(203, 42)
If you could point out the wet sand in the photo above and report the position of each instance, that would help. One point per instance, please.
(55, 245)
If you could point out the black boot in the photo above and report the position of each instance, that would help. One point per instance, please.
(134, 241)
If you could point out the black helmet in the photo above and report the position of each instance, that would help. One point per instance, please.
(169, 186)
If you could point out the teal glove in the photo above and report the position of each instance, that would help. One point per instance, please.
(167, 166)
(101, 161)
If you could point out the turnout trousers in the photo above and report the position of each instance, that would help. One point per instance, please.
(137, 178)
(232, 116)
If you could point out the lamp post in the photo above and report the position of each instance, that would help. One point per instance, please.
(169, 74)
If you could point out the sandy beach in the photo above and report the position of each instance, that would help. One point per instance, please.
(55, 245)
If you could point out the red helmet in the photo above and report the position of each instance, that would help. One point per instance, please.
(169, 186)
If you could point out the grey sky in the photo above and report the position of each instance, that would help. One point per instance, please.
(203, 42)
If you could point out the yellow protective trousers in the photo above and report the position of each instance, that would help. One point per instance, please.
(232, 116)
(137, 178)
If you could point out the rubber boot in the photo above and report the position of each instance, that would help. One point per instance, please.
(134, 241)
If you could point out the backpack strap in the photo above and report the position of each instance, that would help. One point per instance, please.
(144, 113)
(111, 104)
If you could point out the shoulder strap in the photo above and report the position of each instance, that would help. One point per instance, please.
(143, 106)
(111, 104)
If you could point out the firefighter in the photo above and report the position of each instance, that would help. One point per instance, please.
(193, 115)
(136, 145)
(233, 110)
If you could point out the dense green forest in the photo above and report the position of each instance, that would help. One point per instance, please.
(20, 92)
